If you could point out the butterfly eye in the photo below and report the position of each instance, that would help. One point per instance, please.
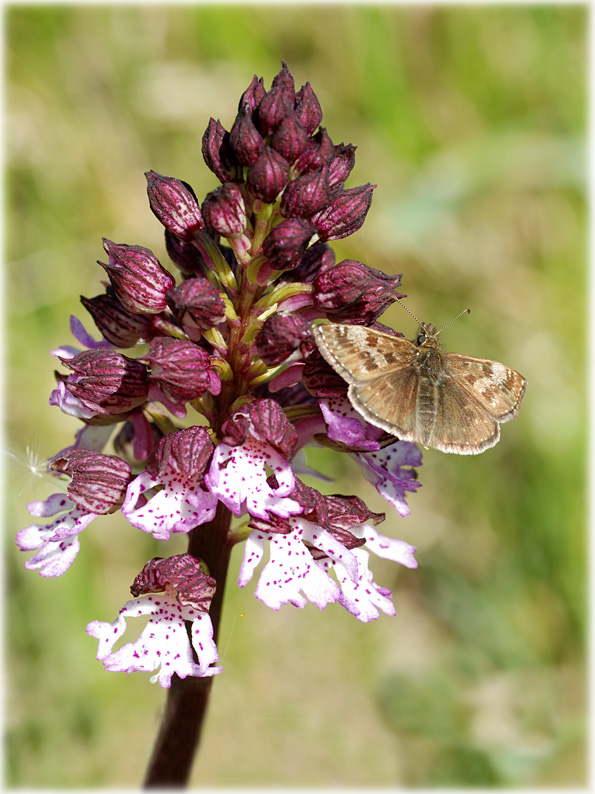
(421, 339)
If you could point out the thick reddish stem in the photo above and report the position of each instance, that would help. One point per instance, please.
(179, 735)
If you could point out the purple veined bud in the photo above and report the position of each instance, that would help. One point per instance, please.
(196, 303)
(182, 573)
(290, 138)
(184, 255)
(317, 259)
(335, 513)
(341, 164)
(281, 335)
(186, 452)
(234, 430)
(268, 176)
(306, 195)
(180, 369)
(286, 243)
(277, 103)
(269, 424)
(107, 382)
(120, 327)
(174, 203)
(253, 94)
(273, 525)
(318, 152)
(352, 292)
(320, 379)
(224, 210)
(307, 108)
(218, 154)
(347, 512)
(284, 80)
(244, 138)
(138, 279)
(98, 481)
(345, 214)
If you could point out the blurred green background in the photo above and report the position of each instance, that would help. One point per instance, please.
(471, 121)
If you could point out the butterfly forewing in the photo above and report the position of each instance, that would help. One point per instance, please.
(361, 354)
(496, 387)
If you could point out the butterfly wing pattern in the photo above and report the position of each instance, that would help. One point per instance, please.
(447, 401)
(378, 367)
(496, 387)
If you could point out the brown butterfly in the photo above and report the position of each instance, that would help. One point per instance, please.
(413, 390)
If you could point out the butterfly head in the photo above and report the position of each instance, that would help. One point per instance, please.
(426, 333)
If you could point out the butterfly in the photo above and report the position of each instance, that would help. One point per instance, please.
(418, 393)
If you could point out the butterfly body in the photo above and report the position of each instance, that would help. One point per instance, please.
(417, 392)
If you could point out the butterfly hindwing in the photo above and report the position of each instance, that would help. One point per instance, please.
(462, 424)
(497, 388)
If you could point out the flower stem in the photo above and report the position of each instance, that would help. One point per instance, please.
(179, 735)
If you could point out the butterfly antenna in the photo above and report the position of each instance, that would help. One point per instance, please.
(465, 311)
(407, 309)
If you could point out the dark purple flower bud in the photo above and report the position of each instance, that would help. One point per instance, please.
(345, 214)
(253, 94)
(234, 431)
(98, 481)
(180, 369)
(287, 396)
(218, 154)
(307, 108)
(281, 335)
(286, 243)
(284, 80)
(224, 210)
(320, 379)
(138, 279)
(277, 103)
(185, 255)
(268, 176)
(196, 303)
(345, 538)
(244, 138)
(347, 512)
(318, 151)
(341, 164)
(107, 382)
(118, 326)
(317, 259)
(306, 195)
(183, 573)
(270, 424)
(312, 501)
(186, 452)
(335, 513)
(290, 138)
(273, 524)
(174, 203)
(352, 292)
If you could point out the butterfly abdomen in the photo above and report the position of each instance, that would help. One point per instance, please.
(427, 409)
(430, 361)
